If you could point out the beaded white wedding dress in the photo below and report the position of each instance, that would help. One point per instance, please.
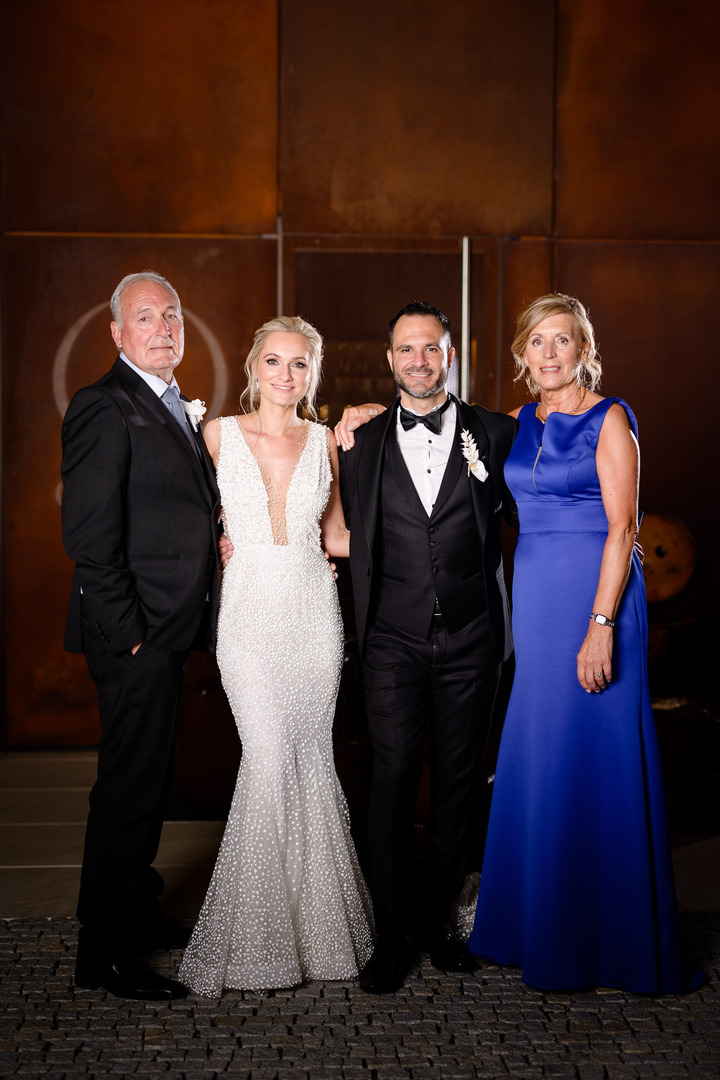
(287, 901)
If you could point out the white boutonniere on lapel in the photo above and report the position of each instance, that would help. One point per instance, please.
(470, 453)
(194, 410)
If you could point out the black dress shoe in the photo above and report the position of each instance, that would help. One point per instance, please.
(127, 979)
(386, 969)
(447, 951)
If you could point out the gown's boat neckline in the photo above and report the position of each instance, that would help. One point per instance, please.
(570, 416)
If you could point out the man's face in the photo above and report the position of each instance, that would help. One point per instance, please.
(420, 358)
(152, 335)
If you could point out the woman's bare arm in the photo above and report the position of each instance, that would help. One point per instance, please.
(333, 531)
(618, 467)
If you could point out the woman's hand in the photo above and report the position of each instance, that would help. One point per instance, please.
(354, 416)
(594, 661)
(225, 550)
(333, 566)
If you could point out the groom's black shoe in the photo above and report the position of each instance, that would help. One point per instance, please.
(447, 951)
(126, 978)
(386, 969)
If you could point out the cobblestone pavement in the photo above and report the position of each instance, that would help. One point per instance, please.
(439, 1027)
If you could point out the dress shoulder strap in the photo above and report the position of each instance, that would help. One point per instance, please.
(605, 405)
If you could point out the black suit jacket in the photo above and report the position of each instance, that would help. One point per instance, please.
(139, 517)
(360, 486)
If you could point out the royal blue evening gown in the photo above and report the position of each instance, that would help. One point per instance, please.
(577, 885)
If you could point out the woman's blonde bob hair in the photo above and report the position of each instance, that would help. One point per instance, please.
(589, 370)
(284, 324)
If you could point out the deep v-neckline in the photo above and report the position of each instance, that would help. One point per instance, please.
(277, 495)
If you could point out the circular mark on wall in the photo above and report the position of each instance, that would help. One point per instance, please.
(669, 555)
(62, 358)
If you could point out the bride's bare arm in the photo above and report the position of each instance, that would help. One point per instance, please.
(333, 531)
(354, 416)
(211, 435)
(211, 438)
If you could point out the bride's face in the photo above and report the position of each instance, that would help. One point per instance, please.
(283, 368)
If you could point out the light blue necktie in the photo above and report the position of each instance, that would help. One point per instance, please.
(171, 397)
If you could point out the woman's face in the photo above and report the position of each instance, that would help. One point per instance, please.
(283, 368)
(553, 352)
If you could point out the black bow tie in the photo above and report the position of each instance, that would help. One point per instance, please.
(431, 420)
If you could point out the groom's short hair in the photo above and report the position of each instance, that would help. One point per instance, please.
(421, 307)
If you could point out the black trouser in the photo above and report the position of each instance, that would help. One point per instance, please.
(139, 704)
(452, 679)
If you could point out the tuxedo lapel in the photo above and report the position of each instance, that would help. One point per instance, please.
(453, 468)
(207, 463)
(208, 466)
(146, 399)
(468, 420)
(369, 470)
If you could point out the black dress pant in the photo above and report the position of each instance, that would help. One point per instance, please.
(139, 704)
(450, 679)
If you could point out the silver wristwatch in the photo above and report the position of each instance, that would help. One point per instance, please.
(602, 620)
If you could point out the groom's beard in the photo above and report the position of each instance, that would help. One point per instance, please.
(426, 391)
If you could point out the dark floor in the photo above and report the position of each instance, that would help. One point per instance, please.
(439, 1026)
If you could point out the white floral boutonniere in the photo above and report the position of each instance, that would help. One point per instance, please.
(194, 410)
(470, 453)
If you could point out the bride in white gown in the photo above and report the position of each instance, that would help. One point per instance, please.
(287, 901)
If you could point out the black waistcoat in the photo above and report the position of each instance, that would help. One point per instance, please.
(421, 557)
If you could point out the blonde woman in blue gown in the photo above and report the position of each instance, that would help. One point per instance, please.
(577, 886)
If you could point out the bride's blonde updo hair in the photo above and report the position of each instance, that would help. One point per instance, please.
(284, 324)
(589, 370)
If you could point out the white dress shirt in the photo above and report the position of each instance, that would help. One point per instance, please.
(426, 455)
(156, 384)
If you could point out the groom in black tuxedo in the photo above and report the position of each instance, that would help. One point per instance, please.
(433, 627)
(139, 517)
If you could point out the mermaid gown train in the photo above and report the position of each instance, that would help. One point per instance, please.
(577, 885)
(287, 901)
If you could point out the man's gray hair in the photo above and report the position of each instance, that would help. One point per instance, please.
(130, 279)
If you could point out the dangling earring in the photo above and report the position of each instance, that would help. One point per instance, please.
(257, 385)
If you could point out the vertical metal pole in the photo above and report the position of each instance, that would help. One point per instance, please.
(499, 327)
(465, 329)
(280, 293)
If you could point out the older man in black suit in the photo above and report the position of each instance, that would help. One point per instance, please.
(140, 522)
(423, 494)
